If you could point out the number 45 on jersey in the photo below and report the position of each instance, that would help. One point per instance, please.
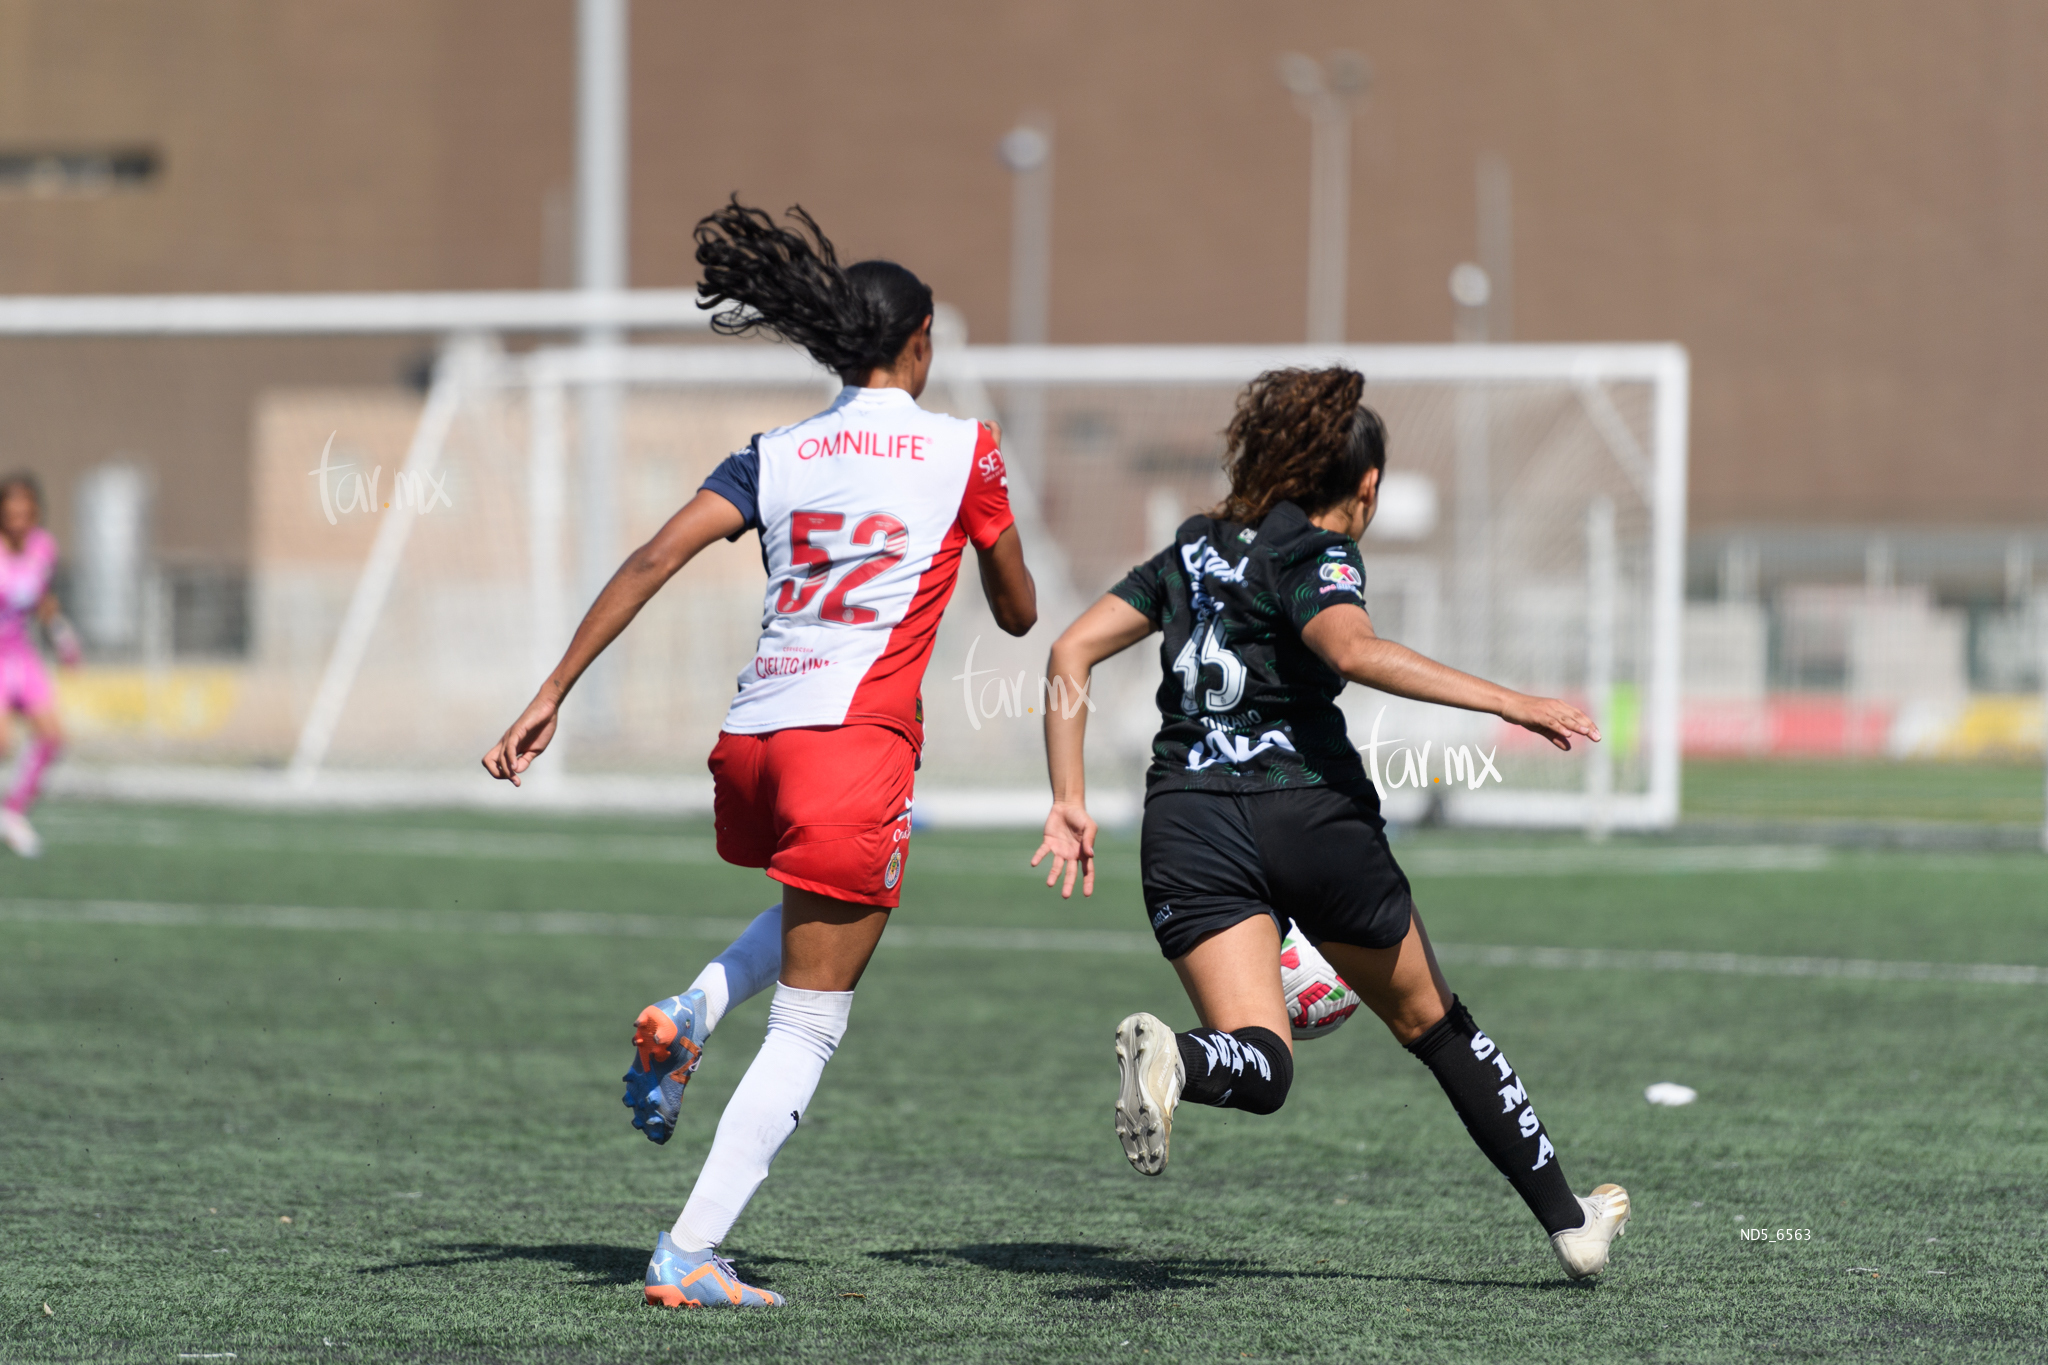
(1205, 650)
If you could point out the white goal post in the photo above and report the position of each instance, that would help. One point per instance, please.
(1532, 529)
(1554, 558)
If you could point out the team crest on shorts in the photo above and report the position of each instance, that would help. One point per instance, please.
(894, 872)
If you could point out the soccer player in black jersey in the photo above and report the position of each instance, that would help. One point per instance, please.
(1258, 810)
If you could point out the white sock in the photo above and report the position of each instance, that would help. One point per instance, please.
(743, 970)
(804, 1028)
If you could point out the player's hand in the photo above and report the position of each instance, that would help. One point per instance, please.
(69, 652)
(524, 742)
(1070, 839)
(1557, 721)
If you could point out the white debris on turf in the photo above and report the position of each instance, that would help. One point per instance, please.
(1670, 1093)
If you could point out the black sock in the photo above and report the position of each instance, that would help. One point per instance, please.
(1490, 1099)
(1247, 1068)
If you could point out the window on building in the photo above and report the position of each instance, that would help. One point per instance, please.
(54, 172)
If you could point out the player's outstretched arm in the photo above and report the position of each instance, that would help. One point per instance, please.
(705, 518)
(1007, 583)
(1109, 627)
(58, 629)
(1344, 637)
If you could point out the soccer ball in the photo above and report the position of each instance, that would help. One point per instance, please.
(1318, 1000)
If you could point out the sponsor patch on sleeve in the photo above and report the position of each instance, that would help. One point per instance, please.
(1340, 577)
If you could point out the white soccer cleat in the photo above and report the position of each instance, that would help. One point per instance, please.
(20, 835)
(1149, 1057)
(1582, 1251)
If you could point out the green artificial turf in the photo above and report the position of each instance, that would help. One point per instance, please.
(1863, 789)
(437, 1114)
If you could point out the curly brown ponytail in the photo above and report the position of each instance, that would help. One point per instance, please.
(1299, 436)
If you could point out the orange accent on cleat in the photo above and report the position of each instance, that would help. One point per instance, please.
(691, 1052)
(652, 1030)
(699, 1279)
(710, 1271)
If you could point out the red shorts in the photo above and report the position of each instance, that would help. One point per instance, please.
(825, 809)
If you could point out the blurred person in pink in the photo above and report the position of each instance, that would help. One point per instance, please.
(28, 557)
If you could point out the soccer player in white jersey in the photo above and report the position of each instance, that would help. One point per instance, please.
(1258, 810)
(863, 512)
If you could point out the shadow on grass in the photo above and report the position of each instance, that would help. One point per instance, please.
(1110, 1272)
(597, 1262)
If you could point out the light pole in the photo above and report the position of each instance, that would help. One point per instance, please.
(1325, 93)
(1027, 151)
(1479, 293)
(1472, 416)
(1495, 199)
(602, 176)
(1471, 291)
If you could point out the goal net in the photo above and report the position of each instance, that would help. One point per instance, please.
(408, 595)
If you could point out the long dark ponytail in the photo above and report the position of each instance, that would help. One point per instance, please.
(852, 319)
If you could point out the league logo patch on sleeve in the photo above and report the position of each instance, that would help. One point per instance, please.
(1342, 578)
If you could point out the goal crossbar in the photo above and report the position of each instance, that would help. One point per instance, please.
(1657, 363)
(349, 314)
(1657, 470)
(1653, 457)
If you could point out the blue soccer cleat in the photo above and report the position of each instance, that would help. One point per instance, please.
(668, 1039)
(699, 1279)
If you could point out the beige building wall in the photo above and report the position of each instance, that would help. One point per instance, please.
(1836, 207)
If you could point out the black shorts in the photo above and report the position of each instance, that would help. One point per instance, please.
(1314, 855)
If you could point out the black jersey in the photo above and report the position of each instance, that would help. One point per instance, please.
(1245, 705)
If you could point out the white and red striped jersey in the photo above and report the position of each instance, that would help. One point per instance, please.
(863, 511)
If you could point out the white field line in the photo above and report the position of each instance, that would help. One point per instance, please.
(490, 845)
(334, 919)
(581, 924)
(1740, 964)
(1612, 860)
(545, 846)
